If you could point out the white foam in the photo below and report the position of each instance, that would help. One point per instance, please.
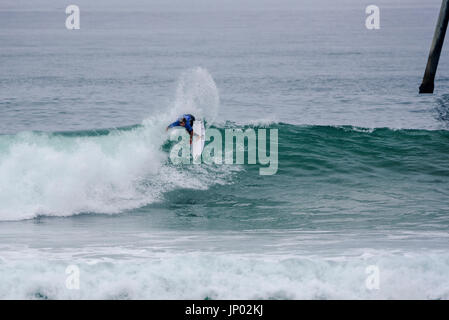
(47, 174)
(230, 276)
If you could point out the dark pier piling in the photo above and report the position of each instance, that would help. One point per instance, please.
(427, 85)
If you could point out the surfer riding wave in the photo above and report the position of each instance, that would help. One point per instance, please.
(186, 121)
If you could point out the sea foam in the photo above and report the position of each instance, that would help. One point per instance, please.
(61, 175)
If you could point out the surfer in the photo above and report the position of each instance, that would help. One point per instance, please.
(185, 121)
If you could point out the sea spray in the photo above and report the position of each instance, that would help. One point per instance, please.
(66, 174)
(197, 93)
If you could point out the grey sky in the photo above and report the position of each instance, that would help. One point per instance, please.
(207, 5)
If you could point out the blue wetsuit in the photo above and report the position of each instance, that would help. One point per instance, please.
(189, 122)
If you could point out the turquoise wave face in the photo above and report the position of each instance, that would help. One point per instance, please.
(374, 177)
(333, 150)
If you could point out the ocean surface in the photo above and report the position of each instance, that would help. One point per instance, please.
(86, 181)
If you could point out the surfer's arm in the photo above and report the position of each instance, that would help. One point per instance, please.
(174, 124)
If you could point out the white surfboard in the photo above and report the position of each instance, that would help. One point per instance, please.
(199, 137)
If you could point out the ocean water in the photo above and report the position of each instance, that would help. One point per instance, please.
(86, 181)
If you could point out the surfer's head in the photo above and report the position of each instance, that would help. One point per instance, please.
(182, 122)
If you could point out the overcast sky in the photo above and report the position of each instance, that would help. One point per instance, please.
(176, 5)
